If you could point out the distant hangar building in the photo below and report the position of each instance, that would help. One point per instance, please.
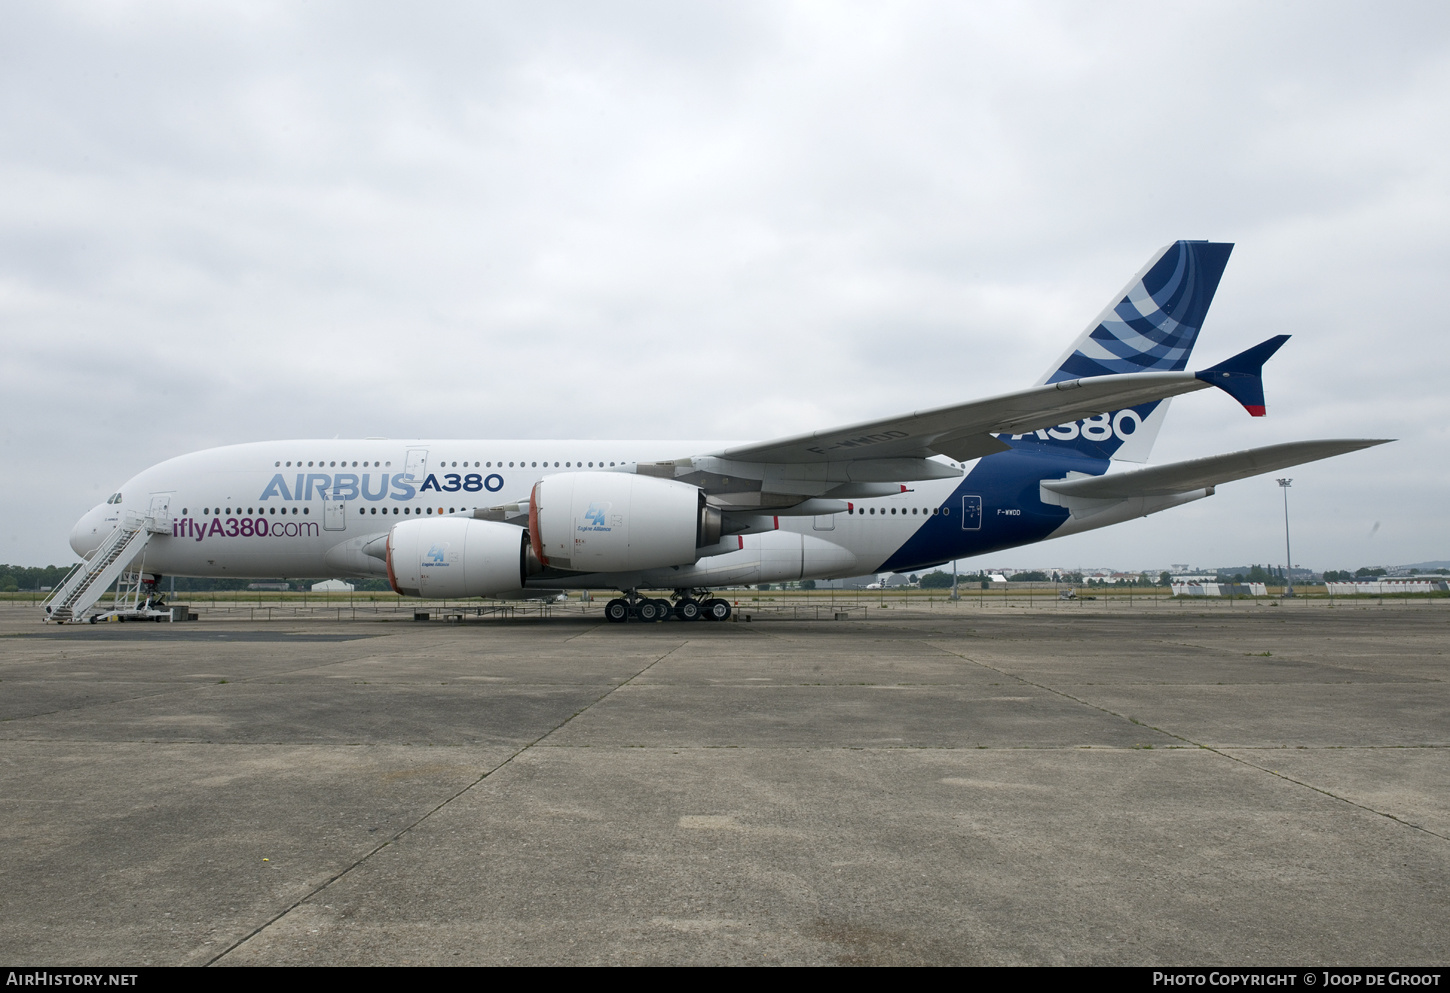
(1210, 586)
(1414, 584)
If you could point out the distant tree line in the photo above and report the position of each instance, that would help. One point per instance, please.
(1255, 574)
(23, 577)
(1143, 580)
(943, 580)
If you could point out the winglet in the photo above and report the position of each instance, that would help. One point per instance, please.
(1241, 376)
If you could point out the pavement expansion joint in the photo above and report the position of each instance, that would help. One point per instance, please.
(581, 634)
(398, 835)
(1324, 792)
(173, 689)
(86, 706)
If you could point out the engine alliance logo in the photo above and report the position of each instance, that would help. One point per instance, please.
(593, 519)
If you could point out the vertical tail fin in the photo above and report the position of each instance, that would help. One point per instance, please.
(1151, 326)
(1153, 323)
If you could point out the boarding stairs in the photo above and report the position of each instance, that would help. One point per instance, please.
(89, 580)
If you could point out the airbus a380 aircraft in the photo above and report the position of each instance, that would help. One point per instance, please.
(453, 519)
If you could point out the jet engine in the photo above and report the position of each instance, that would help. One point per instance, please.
(618, 522)
(457, 557)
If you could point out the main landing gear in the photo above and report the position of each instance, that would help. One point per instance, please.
(687, 607)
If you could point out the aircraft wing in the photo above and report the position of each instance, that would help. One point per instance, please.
(967, 430)
(1197, 474)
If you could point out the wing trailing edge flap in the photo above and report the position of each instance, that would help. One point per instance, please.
(1198, 474)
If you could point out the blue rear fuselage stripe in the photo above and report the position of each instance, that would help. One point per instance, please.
(1012, 510)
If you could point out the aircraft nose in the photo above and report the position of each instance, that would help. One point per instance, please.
(87, 533)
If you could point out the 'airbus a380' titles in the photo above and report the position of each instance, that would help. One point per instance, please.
(517, 519)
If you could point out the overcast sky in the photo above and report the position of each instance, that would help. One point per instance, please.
(224, 223)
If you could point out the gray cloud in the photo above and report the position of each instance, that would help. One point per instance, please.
(714, 221)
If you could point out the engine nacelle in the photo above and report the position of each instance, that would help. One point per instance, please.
(457, 557)
(618, 522)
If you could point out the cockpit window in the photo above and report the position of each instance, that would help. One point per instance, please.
(115, 498)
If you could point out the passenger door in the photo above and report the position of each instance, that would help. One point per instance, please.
(971, 513)
(160, 509)
(334, 515)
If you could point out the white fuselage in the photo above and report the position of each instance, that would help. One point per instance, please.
(306, 508)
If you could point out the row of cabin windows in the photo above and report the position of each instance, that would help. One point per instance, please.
(116, 498)
(260, 510)
(535, 465)
(926, 511)
(364, 511)
(323, 464)
(929, 511)
(406, 511)
(445, 464)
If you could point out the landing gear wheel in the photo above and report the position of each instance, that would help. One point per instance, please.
(667, 609)
(616, 611)
(687, 610)
(649, 611)
(717, 609)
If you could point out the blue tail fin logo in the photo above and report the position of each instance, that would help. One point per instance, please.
(1151, 326)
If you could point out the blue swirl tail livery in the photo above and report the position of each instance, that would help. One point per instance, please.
(1151, 325)
(496, 518)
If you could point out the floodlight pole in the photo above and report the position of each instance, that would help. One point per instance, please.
(1288, 558)
(954, 580)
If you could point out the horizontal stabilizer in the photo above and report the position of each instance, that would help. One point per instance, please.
(1242, 377)
(1196, 474)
